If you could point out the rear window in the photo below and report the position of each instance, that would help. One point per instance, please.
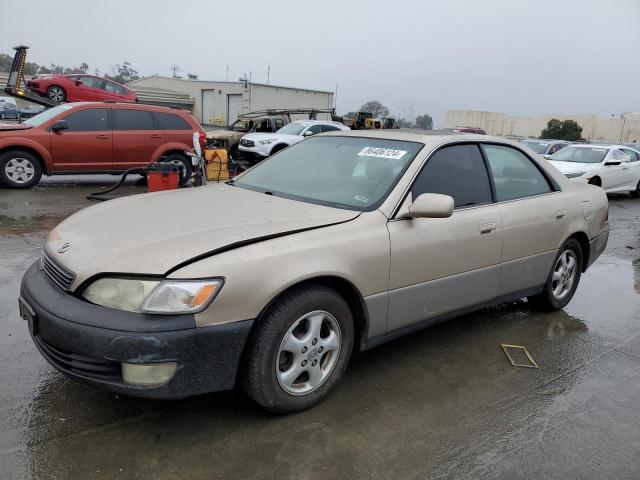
(132, 120)
(170, 121)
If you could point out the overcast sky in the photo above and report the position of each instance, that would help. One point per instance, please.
(522, 57)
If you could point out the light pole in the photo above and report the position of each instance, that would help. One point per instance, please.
(624, 121)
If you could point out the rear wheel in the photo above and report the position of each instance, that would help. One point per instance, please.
(19, 169)
(185, 162)
(595, 181)
(56, 93)
(563, 279)
(299, 350)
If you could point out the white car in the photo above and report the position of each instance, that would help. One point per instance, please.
(262, 145)
(615, 168)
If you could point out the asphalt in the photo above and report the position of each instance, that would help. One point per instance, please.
(440, 403)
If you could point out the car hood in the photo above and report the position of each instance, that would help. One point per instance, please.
(224, 134)
(256, 137)
(571, 167)
(153, 233)
(13, 126)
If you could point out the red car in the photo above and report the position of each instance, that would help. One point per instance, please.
(80, 88)
(89, 137)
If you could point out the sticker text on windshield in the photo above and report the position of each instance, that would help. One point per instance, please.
(382, 153)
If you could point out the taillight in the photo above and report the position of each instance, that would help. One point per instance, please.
(203, 138)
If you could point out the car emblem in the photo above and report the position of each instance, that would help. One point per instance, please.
(64, 247)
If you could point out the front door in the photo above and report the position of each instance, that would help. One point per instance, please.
(136, 141)
(86, 145)
(443, 265)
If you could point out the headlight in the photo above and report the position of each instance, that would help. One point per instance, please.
(153, 296)
(574, 174)
(267, 142)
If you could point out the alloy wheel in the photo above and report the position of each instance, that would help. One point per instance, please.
(564, 274)
(308, 353)
(56, 94)
(19, 170)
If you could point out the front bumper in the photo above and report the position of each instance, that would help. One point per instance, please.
(88, 342)
(258, 151)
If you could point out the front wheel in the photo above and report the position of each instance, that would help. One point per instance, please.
(19, 169)
(56, 93)
(187, 166)
(299, 350)
(636, 193)
(563, 279)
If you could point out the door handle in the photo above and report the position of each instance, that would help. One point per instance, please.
(103, 137)
(560, 214)
(156, 136)
(625, 168)
(487, 228)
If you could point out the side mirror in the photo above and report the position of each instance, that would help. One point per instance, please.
(612, 163)
(431, 205)
(59, 125)
(78, 82)
(308, 133)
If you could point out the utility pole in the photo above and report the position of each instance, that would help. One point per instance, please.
(268, 73)
(335, 99)
(227, 73)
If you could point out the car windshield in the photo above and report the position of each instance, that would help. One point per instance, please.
(538, 147)
(293, 128)
(39, 119)
(242, 125)
(342, 172)
(580, 154)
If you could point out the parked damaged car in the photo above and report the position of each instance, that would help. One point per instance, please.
(344, 241)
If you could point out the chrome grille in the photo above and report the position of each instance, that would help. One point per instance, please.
(247, 143)
(61, 276)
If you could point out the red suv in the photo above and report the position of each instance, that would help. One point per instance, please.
(93, 138)
(80, 88)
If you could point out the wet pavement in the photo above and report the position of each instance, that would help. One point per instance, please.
(440, 403)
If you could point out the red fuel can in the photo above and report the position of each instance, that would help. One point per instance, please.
(162, 176)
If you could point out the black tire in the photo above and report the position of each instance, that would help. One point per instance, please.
(185, 161)
(636, 193)
(258, 377)
(277, 148)
(595, 181)
(234, 152)
(547, 300)
(56, 93)
(26, 160)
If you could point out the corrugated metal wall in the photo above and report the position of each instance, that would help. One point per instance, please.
(211, 98)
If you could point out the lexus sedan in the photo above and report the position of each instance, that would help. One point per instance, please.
(615, 168)
(344, 241)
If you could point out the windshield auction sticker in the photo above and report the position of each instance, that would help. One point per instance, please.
(382, 153)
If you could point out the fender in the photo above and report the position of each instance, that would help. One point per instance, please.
(169, 146)
(11, 143)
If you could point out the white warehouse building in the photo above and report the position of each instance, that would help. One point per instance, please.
(220, 103)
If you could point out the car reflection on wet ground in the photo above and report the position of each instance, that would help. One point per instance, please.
(440, 403)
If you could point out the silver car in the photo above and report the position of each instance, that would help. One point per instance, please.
(344, 241)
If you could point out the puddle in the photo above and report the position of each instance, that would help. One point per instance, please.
(31, 224)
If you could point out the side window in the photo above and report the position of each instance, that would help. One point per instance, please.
(90, 120)
(514, 174)
(279, 123)
(458, 171)
(264, 126)
(132, 120)
(113, 88)
(329, 128)
(92, 82)
(633, 156)
(314, 129)
(620, 156)
(169, 121)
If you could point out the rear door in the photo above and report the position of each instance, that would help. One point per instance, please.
(442, 265)
(87, 145)
(175, 128)
(136, 141)
(535, 218)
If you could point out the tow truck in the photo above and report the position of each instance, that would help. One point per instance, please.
(17, 85)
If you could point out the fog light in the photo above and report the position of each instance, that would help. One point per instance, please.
(148, 373)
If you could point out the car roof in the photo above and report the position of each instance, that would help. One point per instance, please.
(428, 137)
(313, 122)
(545, 140)
(136, 105)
